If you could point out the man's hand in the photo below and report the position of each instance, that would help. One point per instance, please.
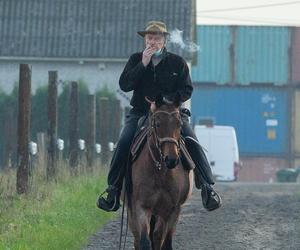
(147, 54)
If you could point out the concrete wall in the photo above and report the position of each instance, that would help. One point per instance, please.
(260, 169)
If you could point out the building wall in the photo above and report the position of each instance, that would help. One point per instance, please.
(260, 169)
(297, 162)
(95, 74)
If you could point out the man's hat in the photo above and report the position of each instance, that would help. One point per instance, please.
(154, 27)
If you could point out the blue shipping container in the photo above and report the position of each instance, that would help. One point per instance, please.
(262, 55)
(259, 115)
(242, 54)
(213, 58)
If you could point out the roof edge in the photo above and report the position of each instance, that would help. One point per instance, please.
(62, 59)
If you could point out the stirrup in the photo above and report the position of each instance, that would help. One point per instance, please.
(112, 202)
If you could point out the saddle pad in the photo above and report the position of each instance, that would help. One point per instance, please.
(138, 142)
(185, 156)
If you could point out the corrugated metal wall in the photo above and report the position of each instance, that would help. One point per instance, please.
(260, 169)
(242, 55)
(295, 43)
(213, 58)
(262, 55)
(260, 115)
(297, 123)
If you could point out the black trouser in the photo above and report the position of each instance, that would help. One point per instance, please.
(119, 160)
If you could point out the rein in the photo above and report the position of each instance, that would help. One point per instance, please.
(160, 140)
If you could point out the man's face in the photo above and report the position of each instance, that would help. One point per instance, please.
(156, 41)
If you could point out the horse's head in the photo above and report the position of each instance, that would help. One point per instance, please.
(165, 128)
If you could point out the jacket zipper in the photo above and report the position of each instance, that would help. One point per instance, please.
(154, 72)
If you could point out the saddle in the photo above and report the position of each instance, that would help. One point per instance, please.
(140, 140)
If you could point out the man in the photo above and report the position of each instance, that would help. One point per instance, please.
(150, 73)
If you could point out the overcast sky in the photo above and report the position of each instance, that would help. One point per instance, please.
(253, 12)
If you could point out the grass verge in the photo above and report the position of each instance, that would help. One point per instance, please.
(58, 216)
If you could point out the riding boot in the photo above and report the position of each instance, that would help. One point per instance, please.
(115, 179)
(202, 168)
(203, 175)
(111, 201)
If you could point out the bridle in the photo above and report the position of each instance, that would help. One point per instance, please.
(159, 141)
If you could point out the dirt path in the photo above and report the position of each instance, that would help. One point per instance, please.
(253, 216)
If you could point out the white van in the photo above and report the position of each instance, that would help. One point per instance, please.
(221, 148)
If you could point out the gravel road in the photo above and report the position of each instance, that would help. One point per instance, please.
(253, 216)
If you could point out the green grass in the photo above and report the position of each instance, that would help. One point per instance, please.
(58, 216)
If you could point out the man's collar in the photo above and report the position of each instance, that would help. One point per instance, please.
(159, 59)
(164, 53)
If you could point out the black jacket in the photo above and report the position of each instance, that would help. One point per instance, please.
(170, 76)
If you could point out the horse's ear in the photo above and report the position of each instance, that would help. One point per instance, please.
(159, 100)
(177, 100)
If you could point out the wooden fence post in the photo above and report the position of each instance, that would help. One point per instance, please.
(91, 130)
(73, 125)
(116, 121)
(24, 103)
(9, 135)
(41, 145)
(104, 133)
(52, 125)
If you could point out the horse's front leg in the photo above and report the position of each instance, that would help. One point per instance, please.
(168, 241)
(133, 225)
(140, 234)
(141, 220)
(159, 233)
(171, 229)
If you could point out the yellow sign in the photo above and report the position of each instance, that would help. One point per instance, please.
(271, 134)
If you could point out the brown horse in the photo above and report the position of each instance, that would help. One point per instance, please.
(160, 184)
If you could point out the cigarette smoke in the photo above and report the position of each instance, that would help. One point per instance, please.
(176, 38)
